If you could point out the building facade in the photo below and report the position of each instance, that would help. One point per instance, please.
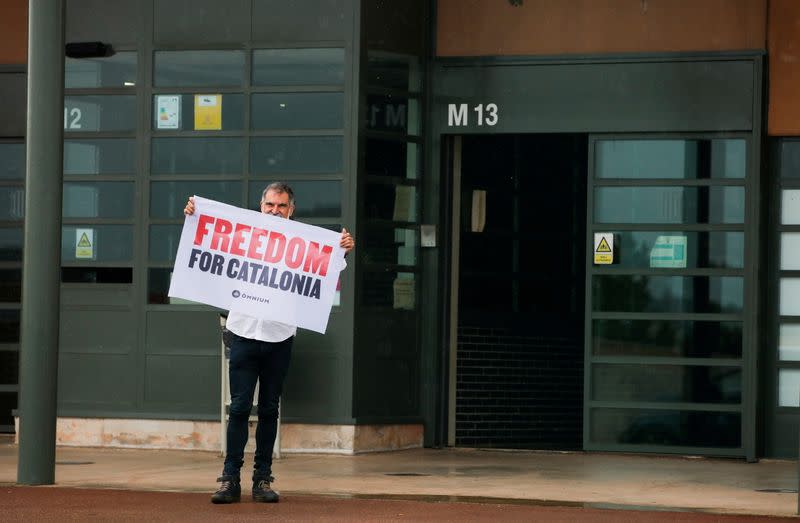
(577, 223)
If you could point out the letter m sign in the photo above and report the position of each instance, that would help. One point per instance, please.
(457, 115)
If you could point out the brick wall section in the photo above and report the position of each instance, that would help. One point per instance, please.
(516, 391)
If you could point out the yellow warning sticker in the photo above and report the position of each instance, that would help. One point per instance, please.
(603, 248)
(84, 245)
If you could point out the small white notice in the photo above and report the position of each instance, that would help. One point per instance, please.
(168, 111)
(84, 244)
(669, 252)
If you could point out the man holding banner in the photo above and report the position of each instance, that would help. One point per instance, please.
(273, 275)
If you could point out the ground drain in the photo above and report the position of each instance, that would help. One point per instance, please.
(74, 462)
(405, 474)
(778, 490)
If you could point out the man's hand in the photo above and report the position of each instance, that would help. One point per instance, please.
(189, 209)
(347, 242)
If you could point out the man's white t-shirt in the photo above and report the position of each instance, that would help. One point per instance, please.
(259, 329)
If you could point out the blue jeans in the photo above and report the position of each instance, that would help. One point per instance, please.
(266, 363)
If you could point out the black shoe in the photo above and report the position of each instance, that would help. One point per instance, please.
(230, 490)
(262, 491)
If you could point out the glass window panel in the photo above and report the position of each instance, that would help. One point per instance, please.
(12, 161)
(394, 71)
(394, 290)
(669, 205)
(391, 202)
(12, 203)
(199, 68)
(10, 285)
(645, 249)
(667, 338)
(642, 293)
(676, 159)
(112, 243)
(221, 155)
(232, 107)
(790, 297)
(788, 388)
(790, 158)
(298, 67)
(101, 156)
(99, 113)
(98, 200)
(118, 70)
(158, 286)
(164, 241)
(393, 113)
(312, 198)
(167, 199)
(96, 275)
(790, 251)
(9, 326)
(390, 245)
(392, 158)
(666, 427)
(10, 244)
(790, 206)
(294, 155)
(297, 111)
(666, 383)
(9, 366)
(789, 342)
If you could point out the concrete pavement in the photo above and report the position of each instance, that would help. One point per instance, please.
(592, 479)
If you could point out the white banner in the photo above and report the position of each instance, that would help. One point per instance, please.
(257, 264)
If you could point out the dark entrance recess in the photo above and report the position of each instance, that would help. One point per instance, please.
(519, 377)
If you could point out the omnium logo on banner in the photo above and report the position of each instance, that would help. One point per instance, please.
(257, 264)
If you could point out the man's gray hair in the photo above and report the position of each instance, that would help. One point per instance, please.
(280, 188)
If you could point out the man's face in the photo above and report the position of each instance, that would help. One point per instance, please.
(277, 204)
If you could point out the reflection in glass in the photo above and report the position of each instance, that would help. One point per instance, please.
(790, 297)
(98, 200)
(392, 158)
(232, 107)
(9, 365)
(790, 206)
(12, 203)
(394, 71)
(789, 387)
(99, 113)
(670, 159)
(789, 342)
(158, 281)
(390, 112)
(164, 241)
(669, 205)
(640, 249)
(790, 158)
(12, 161)
(10, 244)
(666, 383)
(295, 155)
(312, 198)
(10, 285)
(297, 111)
(218, 155)
(666, 427)
(390, 245)
(104, 275)
(118, 70)
(391, 202)
(643, 293)
(394, 290)
(112, 243)
(198, 68)
(100, 156)
(9, 326)
(667, 338)
(167, 199)
(298, 67)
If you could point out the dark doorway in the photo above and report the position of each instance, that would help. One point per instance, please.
(519, 363)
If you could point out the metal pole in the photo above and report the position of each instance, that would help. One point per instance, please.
(42, 253)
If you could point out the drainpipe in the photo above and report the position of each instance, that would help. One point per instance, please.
(41, 272)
